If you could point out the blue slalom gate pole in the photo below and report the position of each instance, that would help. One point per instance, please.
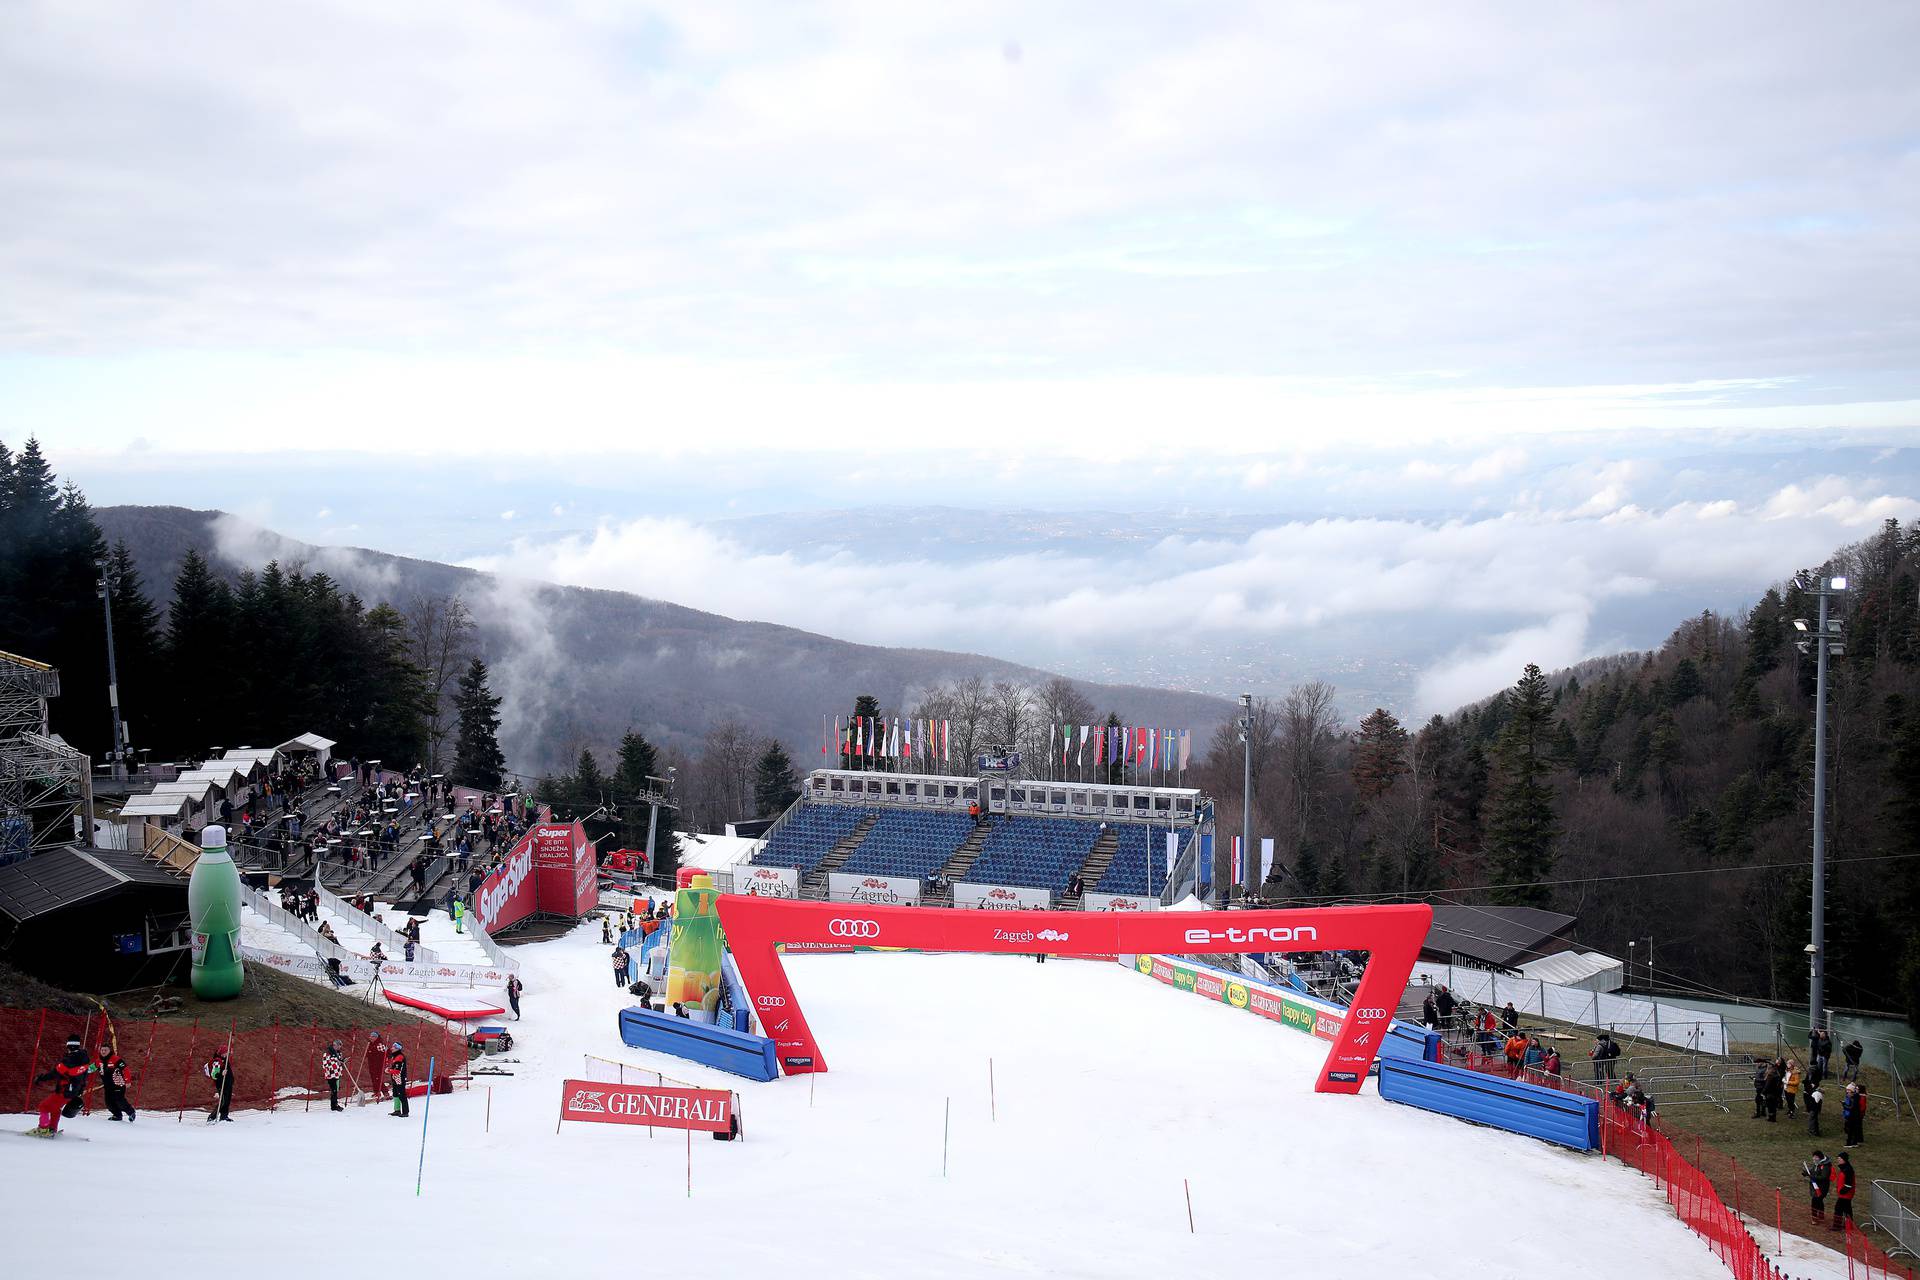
(426, 1114)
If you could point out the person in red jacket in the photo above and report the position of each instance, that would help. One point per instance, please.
(1843, 1186)
(376, 1064)
(69, 1080)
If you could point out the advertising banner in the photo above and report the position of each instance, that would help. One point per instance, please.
(1119, 902)
(1286, 1008)
(767, 882)
(1001, 897)
(887, 891)
(1391, 933)
(656, 1106)
(567, 882)
(507, 896)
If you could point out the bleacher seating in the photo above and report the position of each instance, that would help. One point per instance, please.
(906, 843)
(1039, 853)
(1127, 873)
(810, 834)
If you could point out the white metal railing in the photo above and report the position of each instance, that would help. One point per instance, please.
(292, 924)
(367, 922)
(1891, 1214)
(1640, 1019)
(484, 940)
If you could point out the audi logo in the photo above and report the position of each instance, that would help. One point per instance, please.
(771, 1002)
(1369, 1015)
(854, 928)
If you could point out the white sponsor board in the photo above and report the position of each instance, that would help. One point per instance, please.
(767, 882)
(1001, 897)
(1120, 902)
(885, 891)
(359, 969)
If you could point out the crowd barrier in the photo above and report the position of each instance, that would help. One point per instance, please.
(1669, 1024)
(273, 1066)
(722, 1048)
(1548, 1114)
(369, 923)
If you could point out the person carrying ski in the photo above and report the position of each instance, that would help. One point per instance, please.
(219, 1070)
(69, 1080)
(333, 1064)
(397, 1077)
(113, 1082)
(1819, 1180)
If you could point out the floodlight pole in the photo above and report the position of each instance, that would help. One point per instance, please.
(1247, 861)
(1826, 640)
(1816, 995)
(113, 676)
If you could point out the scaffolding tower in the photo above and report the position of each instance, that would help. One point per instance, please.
(45, 785)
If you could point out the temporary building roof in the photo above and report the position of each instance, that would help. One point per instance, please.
(163, 804)
(307, 742)
(59, 878)
(197, 788)
(1573, 968)
(1503, 937)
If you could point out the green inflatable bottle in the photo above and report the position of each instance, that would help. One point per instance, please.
(213, 904)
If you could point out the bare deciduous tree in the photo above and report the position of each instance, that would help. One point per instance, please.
(440, 642)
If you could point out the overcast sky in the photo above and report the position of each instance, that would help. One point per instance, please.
(1230, 255)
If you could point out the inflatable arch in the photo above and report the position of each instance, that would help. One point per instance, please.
(1392, 934)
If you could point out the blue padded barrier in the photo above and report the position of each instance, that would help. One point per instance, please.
(722, 1048)
(1569, 1119)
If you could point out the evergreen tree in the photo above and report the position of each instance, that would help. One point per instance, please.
(1379, 755)
(589, 789)
(774, 784)
(866, 710)
(198, 645)
(477, 760)
(1521, 826)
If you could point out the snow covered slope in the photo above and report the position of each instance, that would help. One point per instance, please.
(1109, 1090)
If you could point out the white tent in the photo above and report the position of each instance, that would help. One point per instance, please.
(313, 742)
(162, 806)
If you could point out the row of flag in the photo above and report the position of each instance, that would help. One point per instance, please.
(894, 738)
(891, 738)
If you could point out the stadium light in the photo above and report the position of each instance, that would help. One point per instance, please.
(1827, 641)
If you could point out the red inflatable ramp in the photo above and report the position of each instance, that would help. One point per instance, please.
(455, 1006)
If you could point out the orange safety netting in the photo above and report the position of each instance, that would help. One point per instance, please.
(272, 1066)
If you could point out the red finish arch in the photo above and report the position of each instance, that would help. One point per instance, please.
(1392, 934)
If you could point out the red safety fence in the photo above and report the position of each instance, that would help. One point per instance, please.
(1680, 1166)
(272, 1066)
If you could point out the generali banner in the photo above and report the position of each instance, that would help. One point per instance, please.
(1119, 902)
(1001, 897)
(767, 882)
(886, 891)
(656, 1106)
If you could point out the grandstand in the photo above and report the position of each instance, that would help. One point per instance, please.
(1030, 835)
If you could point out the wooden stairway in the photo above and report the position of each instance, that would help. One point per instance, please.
(1099, 858)
(841, 851)
(176, 853)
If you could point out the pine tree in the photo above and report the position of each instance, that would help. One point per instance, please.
(1521, 826)
(477, 759)
(589, 789)
(866, 709)
(774, 784)
(1379, 755)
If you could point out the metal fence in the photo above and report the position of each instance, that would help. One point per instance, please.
(1669, 1024)
(1890, 1213)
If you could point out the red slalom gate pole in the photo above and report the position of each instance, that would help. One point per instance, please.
(273, 1079)
(26, 1096)
(86, 1088)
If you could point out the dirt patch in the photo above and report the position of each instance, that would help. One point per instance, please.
(268, 997)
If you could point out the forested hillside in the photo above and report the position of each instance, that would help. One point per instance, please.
(1665, 795)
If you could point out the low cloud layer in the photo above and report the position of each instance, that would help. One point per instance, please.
(1528, 583)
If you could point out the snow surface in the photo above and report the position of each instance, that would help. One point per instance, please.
(1109, 1090)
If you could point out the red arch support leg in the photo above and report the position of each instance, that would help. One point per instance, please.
(1391, 934)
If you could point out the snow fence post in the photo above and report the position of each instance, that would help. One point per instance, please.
(273, 1079)
(993, 1106)
(193, 1040)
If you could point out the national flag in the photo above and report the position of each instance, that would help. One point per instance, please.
(1239, 873)
(1140, 745)
(1186, 748)
(1266, 858)
(1066, 740)
(857, 727)
(1086, 731)
(946, 740)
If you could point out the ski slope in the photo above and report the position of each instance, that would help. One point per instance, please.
(1108, 1091)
